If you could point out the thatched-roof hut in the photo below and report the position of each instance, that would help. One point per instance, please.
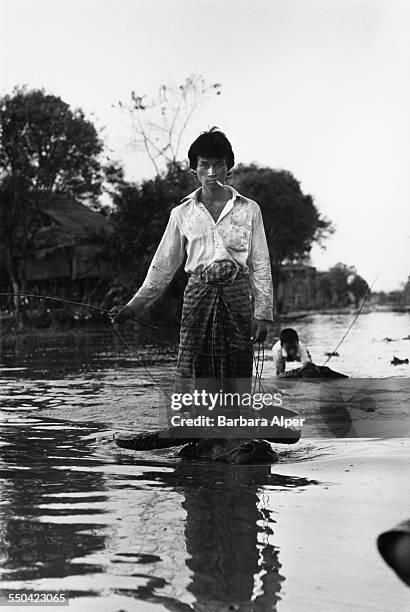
(66, 249)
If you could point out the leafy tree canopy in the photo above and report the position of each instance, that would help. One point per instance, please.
(292, 221)
(45, 147)
(340, 283)
(359, 288)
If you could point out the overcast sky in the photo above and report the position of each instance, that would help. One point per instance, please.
(317, 87)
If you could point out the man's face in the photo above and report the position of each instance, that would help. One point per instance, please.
(210, 170)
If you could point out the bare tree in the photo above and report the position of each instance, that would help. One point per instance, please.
(160, 123)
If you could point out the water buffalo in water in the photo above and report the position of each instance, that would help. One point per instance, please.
(229, 450)
(311, 370)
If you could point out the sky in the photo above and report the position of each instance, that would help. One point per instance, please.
(317, 87)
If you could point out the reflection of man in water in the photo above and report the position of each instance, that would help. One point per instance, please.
(229, 534)
(223, 532)
(209, 538)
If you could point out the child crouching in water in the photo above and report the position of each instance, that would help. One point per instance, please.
(289, 348)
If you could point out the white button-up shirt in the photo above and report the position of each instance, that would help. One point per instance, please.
(280, 356)
(237, 235)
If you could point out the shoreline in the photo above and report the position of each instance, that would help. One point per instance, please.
(7, 332)
(296, 314)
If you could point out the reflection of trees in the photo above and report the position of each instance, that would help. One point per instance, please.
(36, 542)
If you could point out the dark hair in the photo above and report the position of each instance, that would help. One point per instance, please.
(213, 143)
(288, 335)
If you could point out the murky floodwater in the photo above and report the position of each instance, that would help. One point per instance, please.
(133, 531)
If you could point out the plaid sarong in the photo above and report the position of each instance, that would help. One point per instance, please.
(216, 326)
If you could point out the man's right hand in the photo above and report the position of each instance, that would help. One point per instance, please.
(119, 314)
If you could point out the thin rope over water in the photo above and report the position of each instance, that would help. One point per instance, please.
(353, 322)
(258, 361)
(145, 367)
(100, 309)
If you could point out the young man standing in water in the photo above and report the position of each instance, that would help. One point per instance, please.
(221, 234)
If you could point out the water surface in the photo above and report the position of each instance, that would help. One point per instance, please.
(134, 531)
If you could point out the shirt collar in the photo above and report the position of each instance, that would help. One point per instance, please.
(195, 195)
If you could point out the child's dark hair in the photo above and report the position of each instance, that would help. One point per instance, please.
(288, 336)
(213, 143)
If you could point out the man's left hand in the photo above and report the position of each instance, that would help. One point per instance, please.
(259, 329)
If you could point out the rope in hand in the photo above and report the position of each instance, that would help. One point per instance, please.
(259, 363)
